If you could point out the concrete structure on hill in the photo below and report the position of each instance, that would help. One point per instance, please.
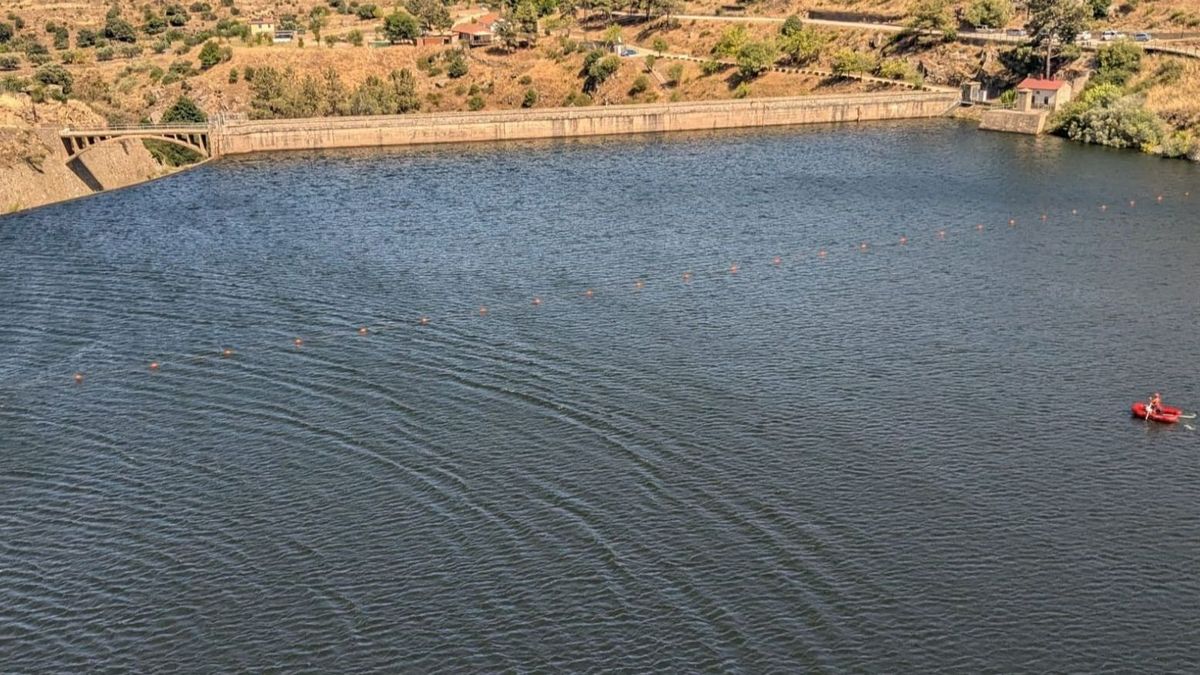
(262, 27)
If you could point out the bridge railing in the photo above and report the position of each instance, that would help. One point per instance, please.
(190, 126)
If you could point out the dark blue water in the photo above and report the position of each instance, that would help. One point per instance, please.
(899, 458)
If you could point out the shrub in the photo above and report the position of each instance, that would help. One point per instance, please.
(659, 45)
(742, 91)
(475, 103)
(456, 64)
(248, 74)
(531, 98)
(847, 62)
(54, 75)
(105, 54)
(1118, 62)
(791, 26)
(9, 61)
(893, 69)
(355, 37)
(184, 110)
(675, 74)
(233, 75)
(525, 80)
(712, 67)
(118, 29)
(6, 32)
(210, 55)
(599, 70)
(577, 99)
(640, 85)
(182, 68)
(13, 83)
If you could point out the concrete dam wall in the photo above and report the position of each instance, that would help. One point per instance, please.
(233, 138)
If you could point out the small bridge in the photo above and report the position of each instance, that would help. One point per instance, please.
(197, 137)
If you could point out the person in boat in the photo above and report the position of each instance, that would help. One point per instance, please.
(1154, 405)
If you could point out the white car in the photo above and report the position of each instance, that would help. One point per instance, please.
(1110, 35)
(1086, 36)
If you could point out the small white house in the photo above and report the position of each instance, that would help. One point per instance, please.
(1035, 94)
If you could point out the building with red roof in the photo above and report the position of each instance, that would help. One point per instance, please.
(1033, 94)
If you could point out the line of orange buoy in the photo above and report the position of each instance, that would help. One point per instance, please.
(154, 366)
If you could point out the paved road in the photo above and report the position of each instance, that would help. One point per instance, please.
(974, 36)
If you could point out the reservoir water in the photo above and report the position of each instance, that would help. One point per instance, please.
(896, 457)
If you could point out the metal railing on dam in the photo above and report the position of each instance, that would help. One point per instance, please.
(240, 137)
(234, 135)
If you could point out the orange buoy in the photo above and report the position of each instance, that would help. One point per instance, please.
(363, 330)
(903, 240)
(1043, 217)
(423, 321)
(589, 293)
(298, 342)
(821, 254)
(537, 301)
(154, 365)
(862, 246)
(639, 284)
(1012, 222)
(979, 227)
(483, 310)
(777, 261)
(78, 377)
(941, 234)
(1132, 202)
(733, 269)
(687, 277)
(1160, 198)
(227, 352)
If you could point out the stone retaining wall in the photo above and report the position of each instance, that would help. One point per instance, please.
(346, 132)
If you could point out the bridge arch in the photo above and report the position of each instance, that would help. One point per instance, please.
(79, 142)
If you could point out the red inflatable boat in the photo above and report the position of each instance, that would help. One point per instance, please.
(1165, 414)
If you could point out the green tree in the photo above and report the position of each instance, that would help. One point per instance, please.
(1054, 22)
(640, 85)
(848, 62)
(803, 46)
(598, 68)
(731, 41)
(659, 45)
(405, 84)
(373, 97)
(317, 20)
(401, 27)
(1117, 62)
(989, 13)
(933, 16)
(755, 57)
(675, 74)
(210, 55)
(184, 110)
(791, 26)
(1099, 8)
(531, 98)
(456, 63)
(432, 13)
(525, 19)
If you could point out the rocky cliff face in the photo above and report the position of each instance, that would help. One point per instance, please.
(33, 163)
